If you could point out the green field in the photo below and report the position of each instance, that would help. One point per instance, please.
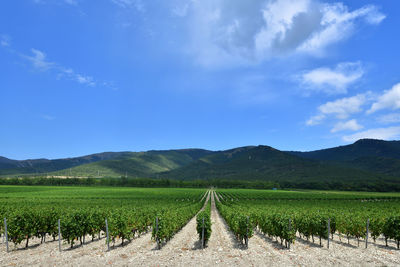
(284, 214)
(33, 211)
(308, 194)
(75, 193)
(87, 193)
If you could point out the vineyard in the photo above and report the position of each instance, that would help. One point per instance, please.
(288, 215)
(203, 221)
(234, 225)
(128, 214)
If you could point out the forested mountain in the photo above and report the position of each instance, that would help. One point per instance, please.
(363, 164)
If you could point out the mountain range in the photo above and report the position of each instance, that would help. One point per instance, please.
(367, 161)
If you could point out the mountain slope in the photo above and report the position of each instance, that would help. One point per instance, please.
(361, 148)
(266, 163)
(140, 164)
(366, 154)
(387, 166)
(8, 166)
(364, 162)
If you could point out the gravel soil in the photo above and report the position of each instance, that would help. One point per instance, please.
(222, 250)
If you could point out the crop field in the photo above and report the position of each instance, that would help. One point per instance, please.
(170, 226)
(315, 214)
(34, 212)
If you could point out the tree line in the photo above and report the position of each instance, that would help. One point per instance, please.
(370, 186)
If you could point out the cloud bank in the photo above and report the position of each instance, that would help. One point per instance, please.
(341, 108)
(377, 133)
(390, 99)
(351, 125)
(333, 80)
(227, 32)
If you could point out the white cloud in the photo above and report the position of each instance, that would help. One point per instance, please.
(333, 81)
(5, 40)
(85, 80)
(378, 133)
(351, 125)
(137, 4)
(226, 31)
(72, 75)
(389, 118)
(39, 61)
(389, 100)
(341, 108)
(337, 23)
(315, 120)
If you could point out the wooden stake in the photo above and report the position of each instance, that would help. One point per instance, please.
(108, 239)
(366, 235)
(157, 240)
(247, 233)
(59, 236)
(290, 228)
(5, 232)
(329, 229)
(202, 235)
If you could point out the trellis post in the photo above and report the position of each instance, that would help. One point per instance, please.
(290, 229)
(247, 233)
(108, 239)
(329, 230)
(59, 235)
(157, 239)
(6, 232)
(202, 235)
(367, 234)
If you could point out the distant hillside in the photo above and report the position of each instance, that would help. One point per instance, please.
(8, 166)
(366, 164)
(141, 164)
(361, 148)
(366, 154)
(267, 163)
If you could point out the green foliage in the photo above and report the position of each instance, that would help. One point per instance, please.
(283, 214)
(203, 220)
(119, 225)
(238, 221)
(34, 211)
(22, 225)
(391, 229)
(172, 219)
(376, 227)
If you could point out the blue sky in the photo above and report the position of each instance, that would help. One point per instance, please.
(79, 76)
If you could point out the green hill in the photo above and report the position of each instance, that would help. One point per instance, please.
(365, 164)
(373, 155)
(140, 164)
(361, 148)
(267, 163)
(8, 166)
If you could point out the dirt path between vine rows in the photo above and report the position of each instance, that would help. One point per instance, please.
(222, 250)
